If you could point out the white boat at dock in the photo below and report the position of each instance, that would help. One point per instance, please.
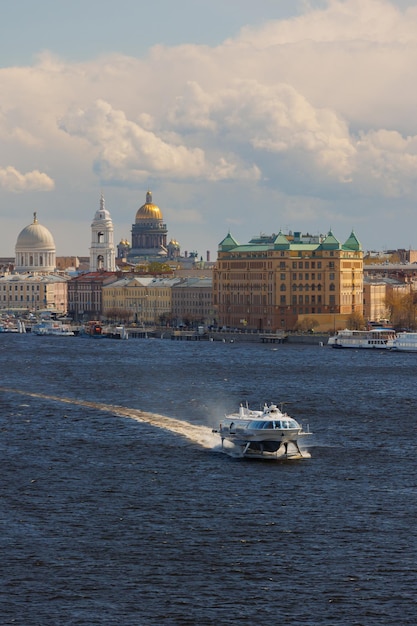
(12, 327)
(269, 433)
(52, 328)
(380, 338)
(405, 342)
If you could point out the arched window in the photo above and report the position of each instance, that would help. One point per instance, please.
(332, 287)
(100, 237)
(283, 287)
(100, 262)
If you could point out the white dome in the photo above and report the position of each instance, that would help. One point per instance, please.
(102, 215)
(35, 236)
(35, 249)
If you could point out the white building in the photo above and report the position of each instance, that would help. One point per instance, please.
(35, 249)
(102, 250)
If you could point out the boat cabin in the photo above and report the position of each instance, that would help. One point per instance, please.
(276, 424)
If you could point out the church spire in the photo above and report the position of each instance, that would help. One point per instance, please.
(102, 207)
(35, 219)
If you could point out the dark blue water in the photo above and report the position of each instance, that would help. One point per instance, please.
(106, 519)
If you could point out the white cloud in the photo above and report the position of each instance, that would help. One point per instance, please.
(126, 150)
(314, 108)
(13, 180)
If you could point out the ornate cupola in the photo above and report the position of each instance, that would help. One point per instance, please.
(102, 250)
(149, 233)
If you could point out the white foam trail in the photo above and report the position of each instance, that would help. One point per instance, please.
(202, 435)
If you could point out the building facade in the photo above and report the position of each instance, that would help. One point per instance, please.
(142, 299)
(34, 292)
(192, 301)
(85, 295)
(275, 281)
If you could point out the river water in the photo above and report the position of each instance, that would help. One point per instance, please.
(119, 508)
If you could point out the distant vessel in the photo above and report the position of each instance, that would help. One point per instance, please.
(93, 329)
(52, 328)
(96, 330)
(380, 338)
(13, 327)
(116, 332)
(262, 434)
(405, 342)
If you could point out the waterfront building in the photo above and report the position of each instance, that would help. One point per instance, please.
(142, 299)
(192, 301)
(276, 282)
(34, 292)
(374, 300)
(85, 294)
(35, 249)
(102, 250)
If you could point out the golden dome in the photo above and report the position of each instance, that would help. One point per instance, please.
(148, 211)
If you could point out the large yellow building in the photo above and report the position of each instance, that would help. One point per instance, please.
(274, 282)
(143, 299)
(34, 292)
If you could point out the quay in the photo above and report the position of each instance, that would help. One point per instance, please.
(278, 337)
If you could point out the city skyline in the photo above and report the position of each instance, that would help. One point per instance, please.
(248, 118)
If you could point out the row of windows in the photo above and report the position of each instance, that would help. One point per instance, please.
(306, 276)
(21, 298)
(16, 287)
(313, 287)
(309, 264)
(301, 300)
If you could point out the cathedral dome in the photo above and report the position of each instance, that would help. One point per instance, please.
(148, 211)
(35, 237)
(35, 249)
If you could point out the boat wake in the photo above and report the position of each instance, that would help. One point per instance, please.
(201, 435)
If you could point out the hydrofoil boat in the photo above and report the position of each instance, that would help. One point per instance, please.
(261, 434)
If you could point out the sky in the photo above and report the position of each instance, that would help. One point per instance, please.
(239, 116)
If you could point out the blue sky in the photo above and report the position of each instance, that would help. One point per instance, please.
(82, 29)
(238, 115)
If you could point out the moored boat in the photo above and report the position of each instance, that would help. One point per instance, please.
(380, 338)
(93, 329)
(405, 342)
(269, 433)
(52, 328)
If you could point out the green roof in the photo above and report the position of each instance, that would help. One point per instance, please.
(352, 243)
(228, 243)
(281, 242)
(330, 242)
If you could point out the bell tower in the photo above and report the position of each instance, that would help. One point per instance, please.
(102, 251)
